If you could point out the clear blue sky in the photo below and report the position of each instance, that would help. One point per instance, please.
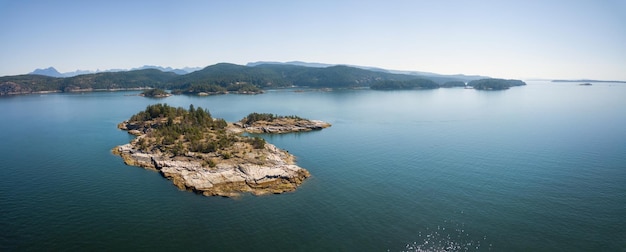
(508, 39)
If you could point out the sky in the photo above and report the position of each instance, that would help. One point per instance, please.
(552, 39)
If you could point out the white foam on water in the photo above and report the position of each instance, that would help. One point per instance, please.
(444, 239)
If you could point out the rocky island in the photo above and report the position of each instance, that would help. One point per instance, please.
(494, 84)
(208, 155)
(155, 93)
(213, 89)
(269, 123)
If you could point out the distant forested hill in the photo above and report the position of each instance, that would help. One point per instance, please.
(333, 76)
(406, 84)
(24, 84)
(223, 77)
(495, 84)
(119, 80)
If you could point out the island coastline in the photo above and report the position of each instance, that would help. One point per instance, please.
(216, 161)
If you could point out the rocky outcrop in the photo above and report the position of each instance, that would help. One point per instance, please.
(12, 88)
(277, 173)
(283, 125)
(210, 156)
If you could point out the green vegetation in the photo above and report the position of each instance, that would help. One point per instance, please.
(225, 75)
(494, 84)
(208, 88)
(200, 88)
(119, 80)
(24, 84)
(450, 84)
(255, 117)
(243, 88)
(258, 143)
(409, 84)
(178, 131)
(155, 92)
(222, 78)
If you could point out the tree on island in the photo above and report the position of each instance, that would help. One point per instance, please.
(214, 88)
(255, 117)
(408, 84)
(177, 130)
(450, 84)
(155, 93)
(494, 84)
(193, 150)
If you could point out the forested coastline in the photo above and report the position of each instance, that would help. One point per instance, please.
(230, 78)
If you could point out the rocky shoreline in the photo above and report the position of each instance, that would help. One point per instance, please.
(277, 174)
(283, 125)
(245, 165)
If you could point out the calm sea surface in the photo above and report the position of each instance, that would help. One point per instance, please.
(534, 168)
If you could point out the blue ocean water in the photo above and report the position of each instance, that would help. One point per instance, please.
(534, 168)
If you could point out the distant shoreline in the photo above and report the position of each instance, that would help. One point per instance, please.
(607, 81)
(86, 90)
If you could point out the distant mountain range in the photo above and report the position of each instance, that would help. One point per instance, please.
(226, 77)
(52, 72)
(586, 80)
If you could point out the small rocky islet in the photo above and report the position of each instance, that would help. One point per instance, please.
(211, 156)
(155, 93)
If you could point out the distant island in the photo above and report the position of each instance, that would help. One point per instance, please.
(269, 123)
(215, 89)
(155, 93)
(451, 84)
(210, 156)
(495, 84)
(404, 84)
(587, 81)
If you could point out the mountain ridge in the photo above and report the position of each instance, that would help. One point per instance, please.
(53, 72)
(377, 69)
(227, 77)
(50, 71)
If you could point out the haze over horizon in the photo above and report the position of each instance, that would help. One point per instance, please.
(504, 39)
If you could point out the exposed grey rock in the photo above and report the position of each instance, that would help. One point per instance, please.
(277, 174)
(280, 128)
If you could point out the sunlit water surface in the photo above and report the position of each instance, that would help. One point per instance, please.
(534, 168)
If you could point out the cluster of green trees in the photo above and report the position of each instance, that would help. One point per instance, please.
(108, 80)
(206, 87)
(225, 74)
(268, 117)
(155, 92)
(196, 88)
(334, 76)
(178, 131)
(217, 78)
(408, 84)
(224, 77)
(494, 84)
(257, 142)
(157, 111)
(450, 84)
(243, 88)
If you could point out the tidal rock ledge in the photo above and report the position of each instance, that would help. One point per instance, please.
(277, 174)
(207, 155)
(272, 124)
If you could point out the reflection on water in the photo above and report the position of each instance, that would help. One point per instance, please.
(448, 236)
(539, 167)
